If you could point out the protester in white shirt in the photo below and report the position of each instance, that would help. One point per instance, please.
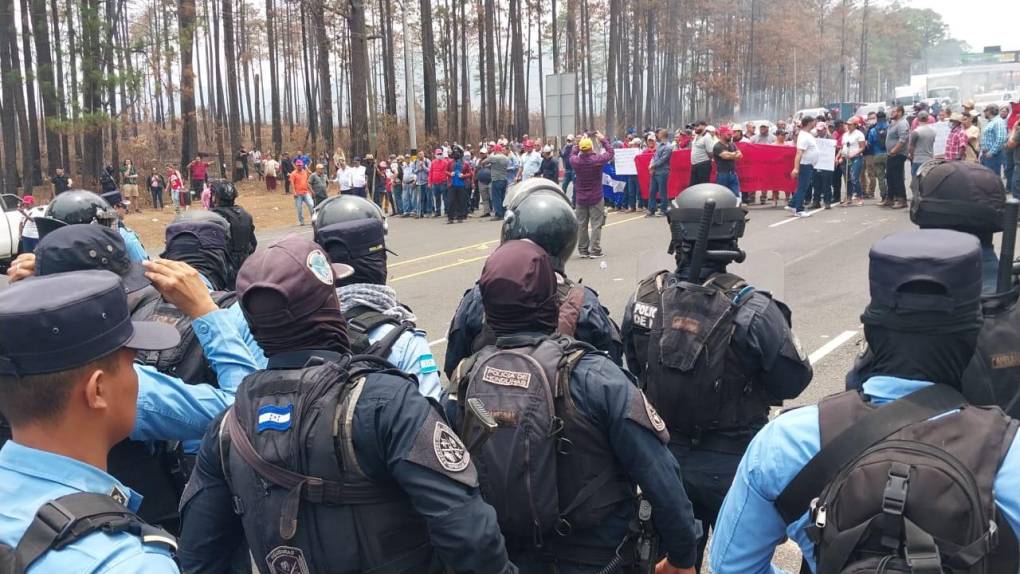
(804, 165)
(853, 155)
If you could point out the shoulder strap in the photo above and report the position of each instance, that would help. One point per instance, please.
(725, 281)
(916, 407)
(570, 310)
(365, 319)
(62, 521)
(382, 347)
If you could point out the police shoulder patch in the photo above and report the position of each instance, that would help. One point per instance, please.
(506, 378)
(437, 447)
(319, 266)
(641, 411)
(449, 449)
(274, 417)
(287, 560)
(427, 364)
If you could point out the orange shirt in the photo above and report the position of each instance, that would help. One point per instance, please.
(299, 181)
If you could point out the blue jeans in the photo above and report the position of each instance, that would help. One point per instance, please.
(497, 193)
(823, 186)
(631, 192)
(424, 199)
(993, 163)
(729, 180)
(410, 204)
(568, 178)
(854, 188)
(805, 179)
(1010, 175)
(439, 197)
(658, 187)
(398, 198)
(358, 191)
(300, 200)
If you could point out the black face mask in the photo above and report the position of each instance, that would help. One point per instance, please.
(369, 268)
(935, 357)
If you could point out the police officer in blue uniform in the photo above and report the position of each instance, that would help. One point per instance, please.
(69, 391)
(538, 211)
(169, 409)
(134, 243)
(353, 232)
(605, 437)
(325, 464)
(922, 322)
(713, 388)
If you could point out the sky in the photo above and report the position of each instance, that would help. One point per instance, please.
(978, 22)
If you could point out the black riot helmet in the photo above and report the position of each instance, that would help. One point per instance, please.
(223, 192)
(75, 206)
(539, 211)
(686, 213)
(204, 215)
(958, 195)
(344, 208)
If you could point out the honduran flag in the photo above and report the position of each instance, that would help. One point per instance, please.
(613, 186)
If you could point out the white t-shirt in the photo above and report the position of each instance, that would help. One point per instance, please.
(358, 176)
(806, 143)
(271, 165)
(852, 143)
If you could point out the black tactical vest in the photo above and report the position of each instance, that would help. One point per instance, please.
(242, 231)
(306, 505)
(692, 374)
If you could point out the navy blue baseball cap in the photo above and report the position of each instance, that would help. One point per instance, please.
(350, 240)
(49, 328)
(114, 198)
(88, 247)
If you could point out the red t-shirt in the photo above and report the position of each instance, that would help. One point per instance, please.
(198, 170)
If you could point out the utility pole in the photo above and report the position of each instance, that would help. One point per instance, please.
(408, 80)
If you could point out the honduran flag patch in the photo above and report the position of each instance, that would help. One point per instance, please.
(275, 417)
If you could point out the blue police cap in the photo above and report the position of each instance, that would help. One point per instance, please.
(353, 239)
(48, 327)
(209, 234)
(88, 247)
(114, 198)
(948, 262)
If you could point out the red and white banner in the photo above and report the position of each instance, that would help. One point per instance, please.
(764, 167)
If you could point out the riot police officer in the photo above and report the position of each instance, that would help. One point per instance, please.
(169, 409)
(966, 197)
(384, 484)
(713, 388)
(75, 206)
(205, 246)
(573, 437)
(538, 211)
(134, 243)
(242, 227)
(68, 389)
(353, 232)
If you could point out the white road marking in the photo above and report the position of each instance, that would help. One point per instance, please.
(437, 341)
(831, 346)
(793, 218)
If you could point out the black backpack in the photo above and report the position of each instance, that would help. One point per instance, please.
(67, 519)
(288, 454)
(546, 470)
(693, 376)
(363, 320)
(897, 488)
(187, 360)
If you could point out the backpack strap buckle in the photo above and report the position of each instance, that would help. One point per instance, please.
(58, 519)
(894, 502)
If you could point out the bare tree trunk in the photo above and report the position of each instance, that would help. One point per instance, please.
(614, 40)
(47, 86)
(108, 42)
(186, 42)
(8, 113)
(244, 37)
(517, 62)
(359, 78)
(92, 76)
(72, 51)
(490, 66)
(168, 65)
(483, 115)
(220, 104)
(650, 52)
(541, 71)
(555, 38)
(465, 85)
(33, 113)
(230, 49)
(428, 54)
(312, 116)
(325, 86)
(61, 102)
(274, 82)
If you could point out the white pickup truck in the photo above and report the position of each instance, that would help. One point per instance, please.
(10, 227)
